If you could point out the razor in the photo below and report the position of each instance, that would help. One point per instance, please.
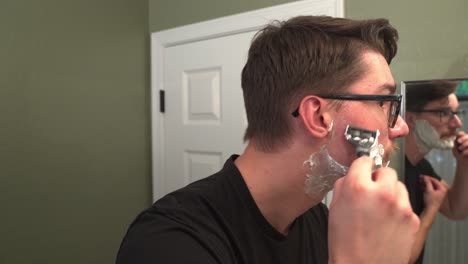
(361, 139)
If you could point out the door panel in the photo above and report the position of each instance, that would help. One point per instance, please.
(205, 116)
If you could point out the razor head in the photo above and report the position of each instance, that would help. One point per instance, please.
(361, 139)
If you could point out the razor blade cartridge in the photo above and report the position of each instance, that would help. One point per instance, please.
(361, 139)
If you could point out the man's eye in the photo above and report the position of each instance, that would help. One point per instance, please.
(445, 113)
(381, 103)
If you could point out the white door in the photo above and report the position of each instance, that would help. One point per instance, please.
(204, 115)
(199, 68)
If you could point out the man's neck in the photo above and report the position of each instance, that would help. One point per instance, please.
(278, 189)
(412, 152)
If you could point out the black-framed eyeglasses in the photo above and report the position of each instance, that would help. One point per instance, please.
(394, 110)
(445, 114)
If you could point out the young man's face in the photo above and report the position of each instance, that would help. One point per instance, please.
(445, 125)
(370, 115)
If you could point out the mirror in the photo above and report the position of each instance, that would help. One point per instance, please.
(447, 239)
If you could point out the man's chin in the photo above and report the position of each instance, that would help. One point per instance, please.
(448, 138)
(447, 143)
(389, 153)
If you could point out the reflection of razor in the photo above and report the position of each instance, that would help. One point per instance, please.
(362, 139)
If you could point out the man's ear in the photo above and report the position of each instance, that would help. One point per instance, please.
(315, 116)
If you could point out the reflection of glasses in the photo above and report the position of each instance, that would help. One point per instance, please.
(445, 114)
(394, 100)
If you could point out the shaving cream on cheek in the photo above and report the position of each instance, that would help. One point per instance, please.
(323, 171)
(428, 138)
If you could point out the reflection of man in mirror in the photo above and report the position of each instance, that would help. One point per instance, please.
(433, 117)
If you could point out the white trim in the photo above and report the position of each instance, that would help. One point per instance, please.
(248, 21)
(402, 143)
(244, 22)
(157, 120)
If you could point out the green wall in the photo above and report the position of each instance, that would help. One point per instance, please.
(433, 35)
(165, 14)
(75, 127)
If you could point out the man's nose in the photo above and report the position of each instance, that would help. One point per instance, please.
(399, 130)
(456, 121)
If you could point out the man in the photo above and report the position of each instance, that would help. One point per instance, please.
(433, 118)
(265, 206)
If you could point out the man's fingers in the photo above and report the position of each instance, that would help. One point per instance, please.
(385, 176)
(336, 191)
(385, 180)
(360, 170)
(434, 183)
(461, 143)
(428, 183)
(445, 184)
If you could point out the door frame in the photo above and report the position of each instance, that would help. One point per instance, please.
(229, 25)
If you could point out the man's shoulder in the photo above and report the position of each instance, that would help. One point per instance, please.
(201, 192)
(192, 201)
(195, 205)
(188, 217)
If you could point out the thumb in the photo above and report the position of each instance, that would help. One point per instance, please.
(428, 183)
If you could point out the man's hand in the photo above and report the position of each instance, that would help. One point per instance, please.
(455, 207)
(370, 220)
(434, 192)
(460, 149)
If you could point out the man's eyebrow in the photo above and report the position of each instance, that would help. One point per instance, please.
(390, 88)
(443, 109)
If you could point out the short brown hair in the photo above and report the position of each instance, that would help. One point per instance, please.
(420, 93)
(305, 55)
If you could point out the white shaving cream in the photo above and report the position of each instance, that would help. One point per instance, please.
(324, 170)
(377, 151)
(427, 138)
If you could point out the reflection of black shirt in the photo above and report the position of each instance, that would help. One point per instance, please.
(216, 220)
(415, 187)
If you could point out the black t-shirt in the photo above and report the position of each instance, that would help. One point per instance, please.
(216, 220)
(416, 188)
